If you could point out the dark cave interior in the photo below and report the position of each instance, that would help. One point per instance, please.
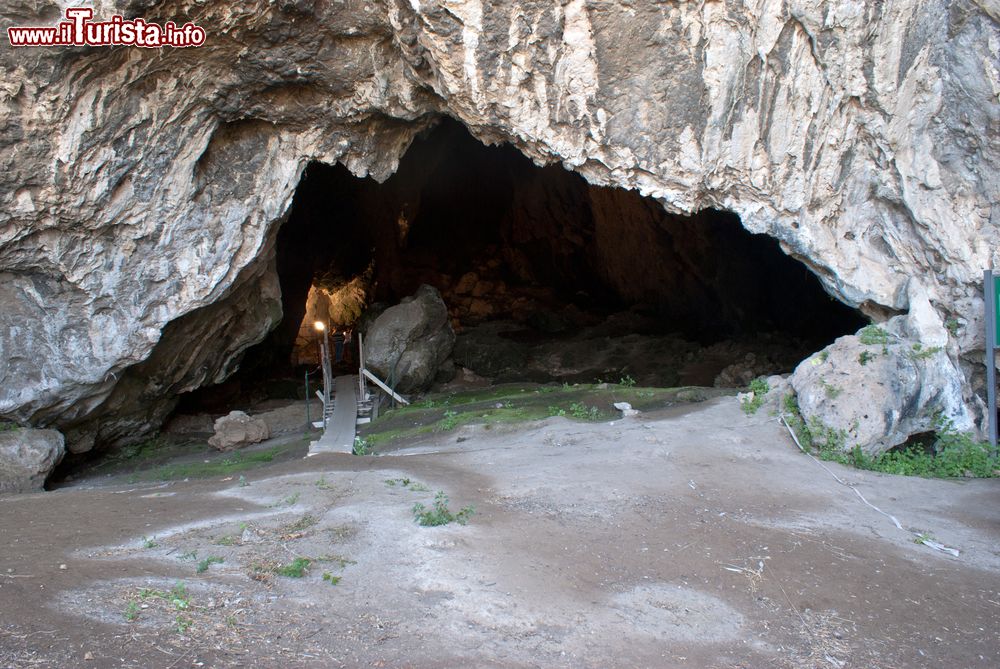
(550, 256)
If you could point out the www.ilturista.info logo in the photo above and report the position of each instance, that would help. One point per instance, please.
(79, 30)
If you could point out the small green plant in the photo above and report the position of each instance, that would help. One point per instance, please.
(363, 446)
(824, 355)
(322, 484)
(439, 513)
(297, 568)
(450, 420)
(208, 562)
(626, 381)
(8, 427)
(583, 412)
(330, 578)
(952, 325)
(190, 555)
(227, 540)
(149, 542)
(407, 483)
(131, 613)
(556, 411)
(291, 500)
(183, 624)
(865, 357)
(918, 351)
(760, 388)
(243, 481)
(873, 335)
(923, 538)
(178, 596)
(832, 391)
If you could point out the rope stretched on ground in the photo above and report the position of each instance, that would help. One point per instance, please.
(922, 539)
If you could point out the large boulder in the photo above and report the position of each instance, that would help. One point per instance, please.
(237, 430)
(877, 388)
(27, 457)
(408, 343)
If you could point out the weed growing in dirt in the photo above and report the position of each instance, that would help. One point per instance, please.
(190, 555)
(131, 613)
(952, 325)
(557, 411)
(439, 513)
(759, 387)
(291, 500)
(149, 542)
(208, 562)
(227, 540)
(450, 420)
(407, 483)
(8, 427)
(322, 484)
(584, 412)
(243, 481)
(297, 568)
(627, 381)
(363, 446)
(330, 578)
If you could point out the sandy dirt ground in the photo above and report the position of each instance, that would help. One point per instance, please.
(691, 537)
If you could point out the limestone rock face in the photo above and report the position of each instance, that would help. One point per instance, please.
(141, 190)
(27, 457)
(408, 343)
(237, 430)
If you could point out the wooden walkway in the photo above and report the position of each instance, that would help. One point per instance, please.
(342, 426)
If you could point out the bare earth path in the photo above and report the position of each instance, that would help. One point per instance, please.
(698, 538)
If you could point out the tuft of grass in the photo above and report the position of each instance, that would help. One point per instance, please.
(322, 484)
(208, 562)
(363, 446)
(407, 483)
(300, 525)
(8, 427)
(330, 578)
(918, 352)
(291, 500)
(297, 568)
(760, 388)
(190, 555)
(581, 411)
(626, 381)
(131, 613)
(556, 411)
(873, 335)
(865, 357)
(450, 420)
(149, 542)
(832, 391)
(439, 513)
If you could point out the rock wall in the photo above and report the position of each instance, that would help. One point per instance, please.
(139, 187)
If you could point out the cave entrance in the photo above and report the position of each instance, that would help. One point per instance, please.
(546, 277)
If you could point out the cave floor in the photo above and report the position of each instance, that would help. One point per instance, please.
(687, 537)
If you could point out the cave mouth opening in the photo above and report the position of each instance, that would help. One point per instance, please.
(546, 277)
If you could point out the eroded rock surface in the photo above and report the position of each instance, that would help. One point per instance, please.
(408, 343)
(27, 457)
(142, 189)
(236, 430)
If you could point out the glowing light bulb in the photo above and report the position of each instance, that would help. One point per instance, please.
(319, 326)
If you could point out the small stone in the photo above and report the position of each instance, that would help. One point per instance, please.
(88, 655)
(63, 567)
